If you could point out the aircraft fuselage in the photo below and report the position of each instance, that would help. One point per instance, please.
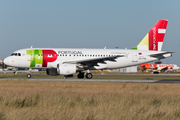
(49, 58)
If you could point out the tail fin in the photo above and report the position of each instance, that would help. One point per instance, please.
(154, 38)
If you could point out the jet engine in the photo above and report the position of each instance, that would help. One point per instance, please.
(62, 69)
(66, 69)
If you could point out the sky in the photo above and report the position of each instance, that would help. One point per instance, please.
(86, 24)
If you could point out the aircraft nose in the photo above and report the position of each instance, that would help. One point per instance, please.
(7, 61)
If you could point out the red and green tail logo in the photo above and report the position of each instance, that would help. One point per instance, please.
(154, 38)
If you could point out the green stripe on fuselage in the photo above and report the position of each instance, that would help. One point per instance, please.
(36, 57)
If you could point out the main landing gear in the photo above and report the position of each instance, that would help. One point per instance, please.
(81, 75)
(89, 75)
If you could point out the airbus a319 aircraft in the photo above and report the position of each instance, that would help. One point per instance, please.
(65, 61)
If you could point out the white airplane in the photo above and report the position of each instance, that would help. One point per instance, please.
(66, 61)
(155, 68)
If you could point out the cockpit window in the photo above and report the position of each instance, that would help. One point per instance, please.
(16, 54)
(12, 54)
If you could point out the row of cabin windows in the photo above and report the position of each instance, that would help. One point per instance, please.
(19, 54)
(77, 55)
(87, 55)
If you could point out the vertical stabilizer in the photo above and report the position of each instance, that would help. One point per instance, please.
(154, 38)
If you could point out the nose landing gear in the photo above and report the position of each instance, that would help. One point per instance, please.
(28, 75)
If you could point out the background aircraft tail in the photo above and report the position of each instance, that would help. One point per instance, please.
(154, 38)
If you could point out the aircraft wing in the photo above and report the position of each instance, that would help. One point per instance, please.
(94, 61)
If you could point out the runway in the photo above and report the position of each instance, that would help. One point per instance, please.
(98, 80)
(147, 75)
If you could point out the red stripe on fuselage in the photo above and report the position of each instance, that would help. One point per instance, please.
(48, 56)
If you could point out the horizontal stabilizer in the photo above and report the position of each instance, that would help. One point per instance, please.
(161, 54)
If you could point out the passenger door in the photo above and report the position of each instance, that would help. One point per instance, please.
(134, 56)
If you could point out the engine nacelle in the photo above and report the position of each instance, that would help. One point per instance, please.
(66, 69)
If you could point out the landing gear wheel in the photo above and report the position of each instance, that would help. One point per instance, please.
(89, 75)
(80, 75)
(28, 75)
(156, 73)
(15, 72)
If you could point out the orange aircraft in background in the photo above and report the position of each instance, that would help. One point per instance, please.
(155, 68)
